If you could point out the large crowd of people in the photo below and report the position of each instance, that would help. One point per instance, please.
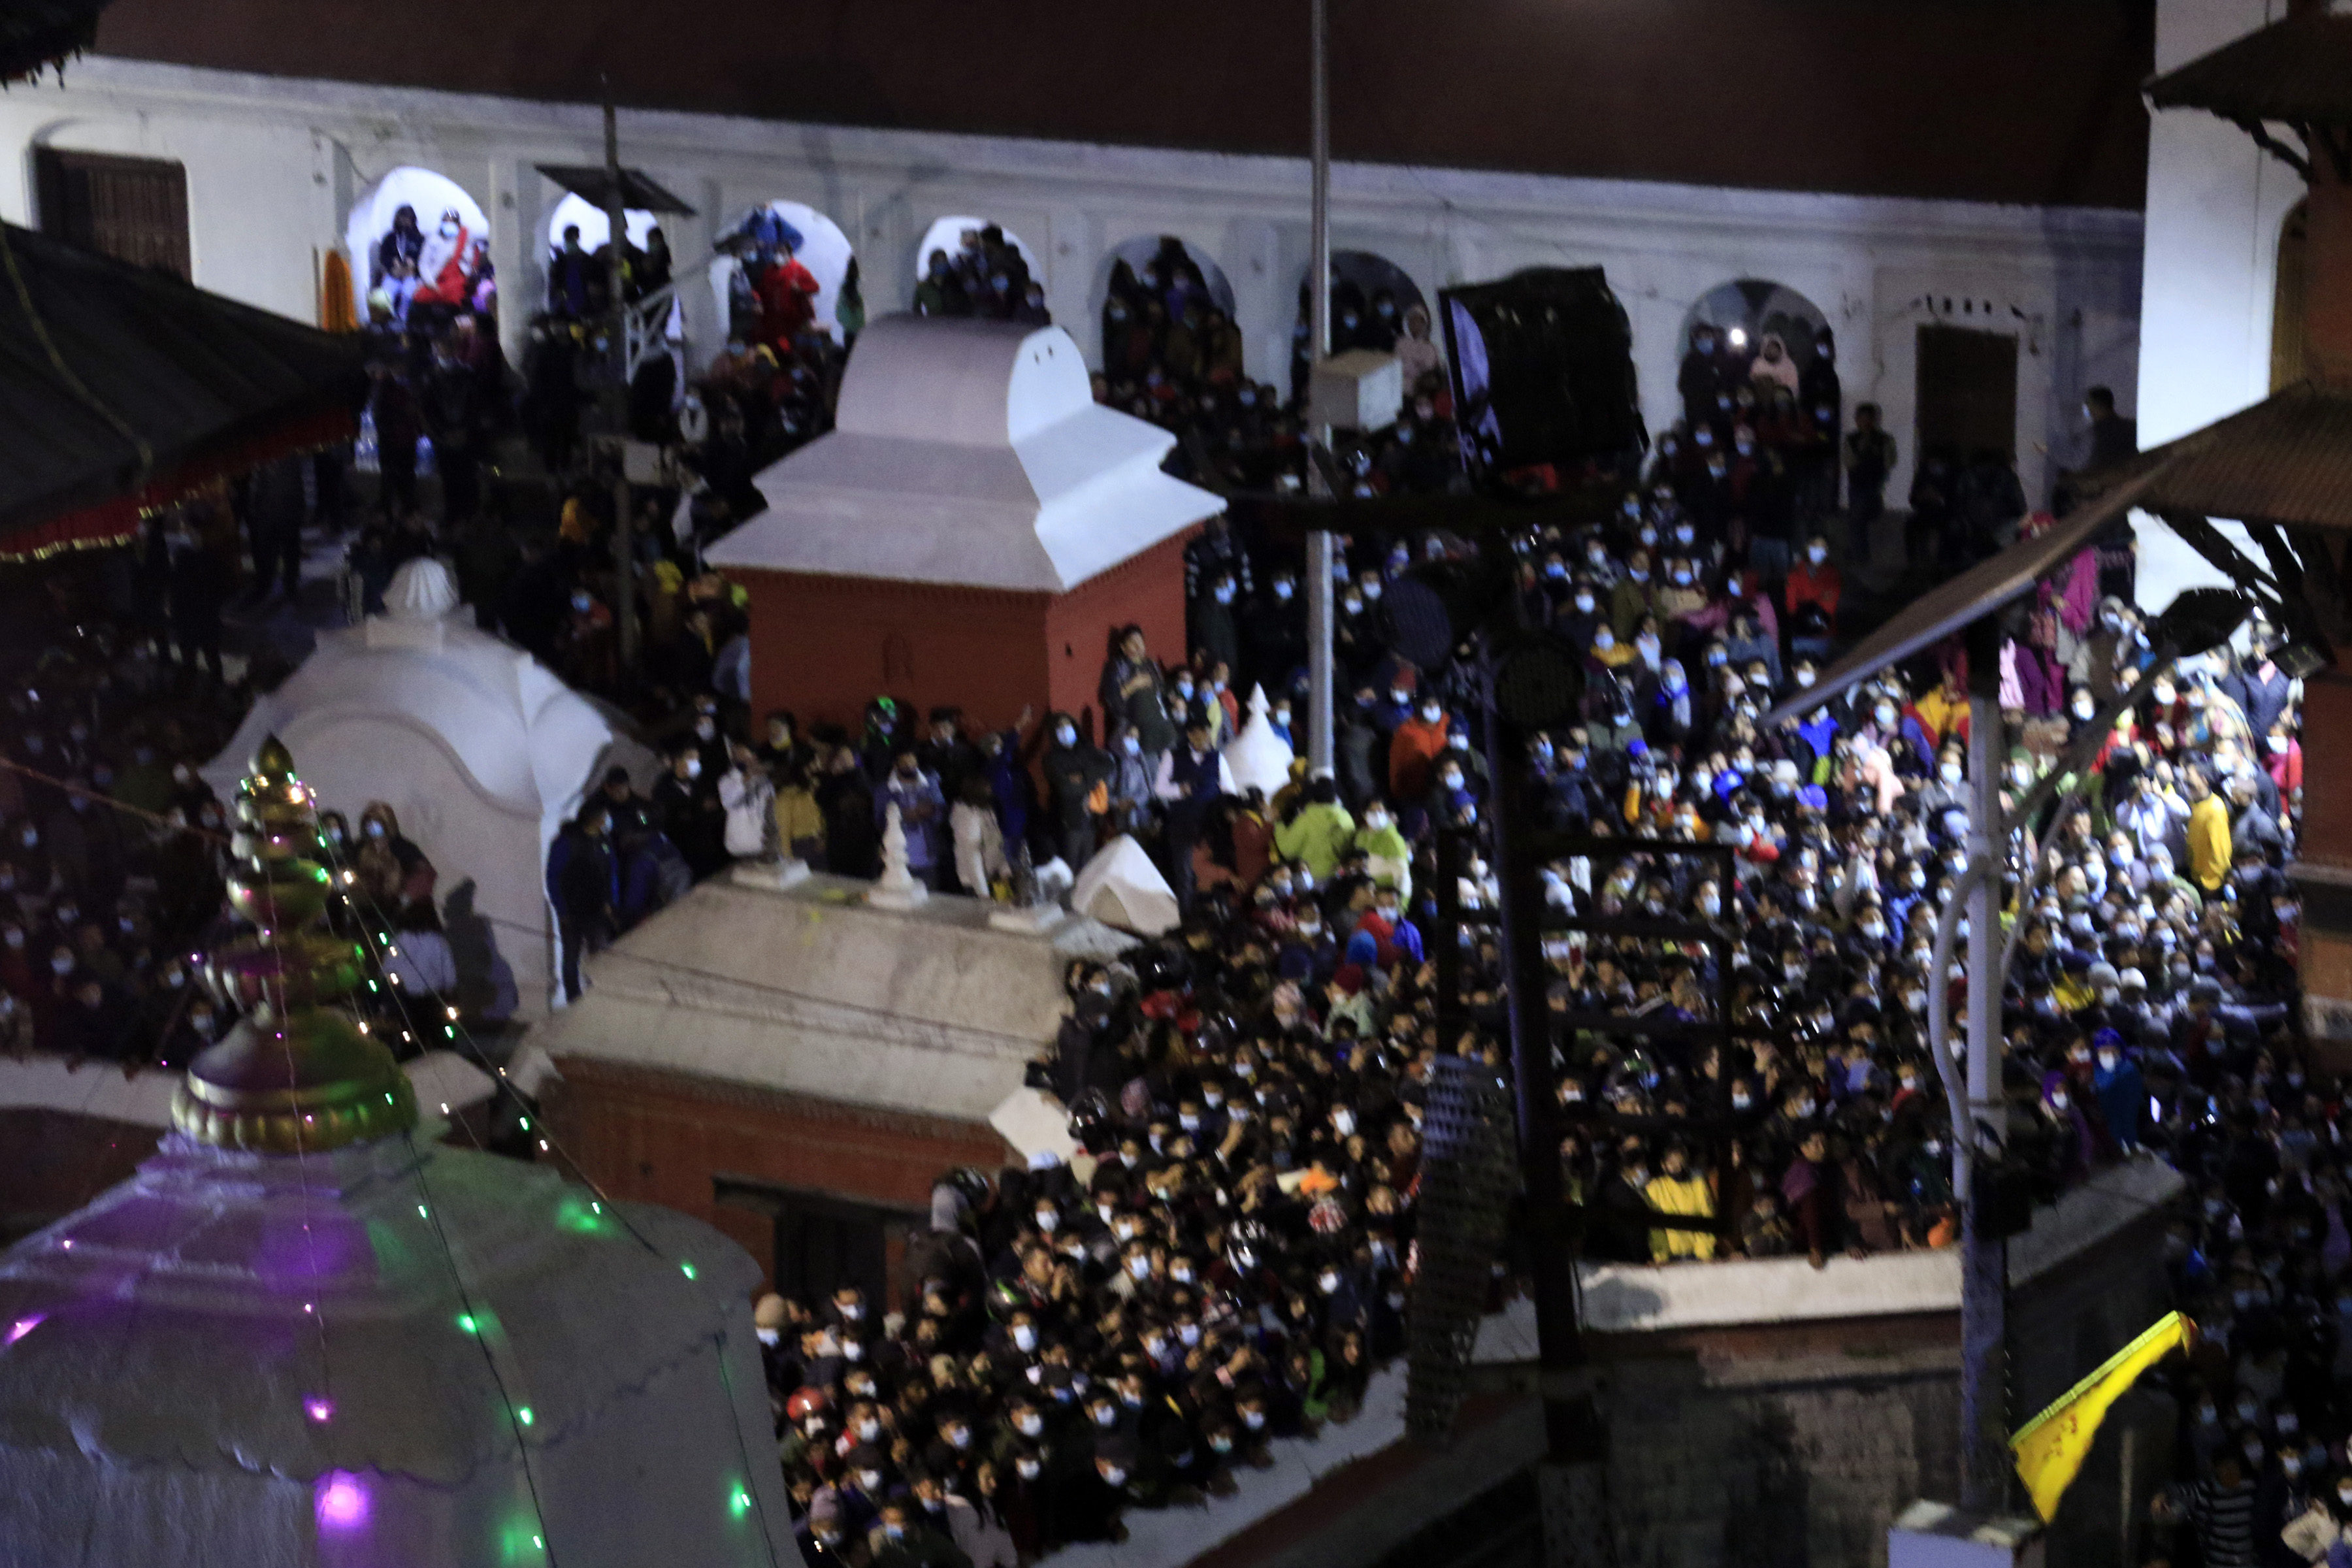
(1267, 1062)
(1226, 1260)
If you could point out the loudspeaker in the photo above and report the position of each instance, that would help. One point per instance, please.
(1542, 363)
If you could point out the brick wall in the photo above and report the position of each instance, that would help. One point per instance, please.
(665, 1138)
(1793, 1446)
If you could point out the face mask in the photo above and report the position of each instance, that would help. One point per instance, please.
(1951, 772)
(1029, 1426)
(1253, 1419)
(1025, 1468)
(869, 1430)
(1283, 590)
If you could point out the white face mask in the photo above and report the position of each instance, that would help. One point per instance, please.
(1950, 771)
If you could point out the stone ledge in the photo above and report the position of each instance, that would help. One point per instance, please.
(1621, 1297)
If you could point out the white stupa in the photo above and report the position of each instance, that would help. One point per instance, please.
(479, 748)
(1259, 757)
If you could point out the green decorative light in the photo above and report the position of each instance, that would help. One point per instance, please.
(524, 1415)
(523, 1122)
(467, 1321)
(687, 1269)
(423, 1212)
(740, 1502)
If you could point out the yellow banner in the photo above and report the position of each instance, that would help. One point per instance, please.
(2050, 1448)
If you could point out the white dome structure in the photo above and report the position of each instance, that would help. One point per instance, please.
(479, 749)
(492, 1367)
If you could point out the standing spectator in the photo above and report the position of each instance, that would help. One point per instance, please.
(1135, 692)
(1869, 459)
(922, 813)
(1077, 774)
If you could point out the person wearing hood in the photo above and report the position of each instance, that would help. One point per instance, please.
(1772, 366)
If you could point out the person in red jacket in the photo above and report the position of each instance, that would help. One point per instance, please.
(788, 292)
(1815, 581)
(1414, 748)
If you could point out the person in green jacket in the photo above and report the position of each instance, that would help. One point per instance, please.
(1317, 832)
(1387, 856)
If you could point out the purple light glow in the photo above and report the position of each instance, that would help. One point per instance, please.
(341, 1501)
(319, 1409)
(21, 1327)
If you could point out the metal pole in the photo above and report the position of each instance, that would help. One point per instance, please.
(625, 563)
(1319, 736)
(1984, 1278)
(1570, 1483)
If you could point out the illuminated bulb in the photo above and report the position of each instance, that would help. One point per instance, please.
(453, 1014)
(524, 1416)
(445, 1108)
(467, 1321)
(596, 1208)
(349, 879)
(423, 1213)
(687, 1269)
(309, 1305)
(363, 1027)
(523, 1122)
(319, 1409)
(542, 1145)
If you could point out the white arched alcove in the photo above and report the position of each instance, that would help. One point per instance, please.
(824, 249)
(429, 192)
(946, 233)
(595, 228)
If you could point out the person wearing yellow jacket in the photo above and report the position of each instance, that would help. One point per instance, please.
(1676, 1189)
(2209, 834)
(1319, 832)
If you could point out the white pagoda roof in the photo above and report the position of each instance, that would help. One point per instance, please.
(969, 453)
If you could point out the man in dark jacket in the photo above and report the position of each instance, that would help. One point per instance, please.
(580, 883)
(1074, 767)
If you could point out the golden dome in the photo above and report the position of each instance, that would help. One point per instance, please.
(293, 1076)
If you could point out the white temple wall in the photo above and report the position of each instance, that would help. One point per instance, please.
(275, 164)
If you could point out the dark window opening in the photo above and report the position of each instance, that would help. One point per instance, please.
(134, 209)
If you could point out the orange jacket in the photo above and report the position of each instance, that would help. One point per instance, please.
(1412, 753)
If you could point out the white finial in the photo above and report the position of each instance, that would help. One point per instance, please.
(1259, 757)
(897, 888)
(422, 590)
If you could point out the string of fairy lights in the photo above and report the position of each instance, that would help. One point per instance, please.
(319, 1407)
(380, 946)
